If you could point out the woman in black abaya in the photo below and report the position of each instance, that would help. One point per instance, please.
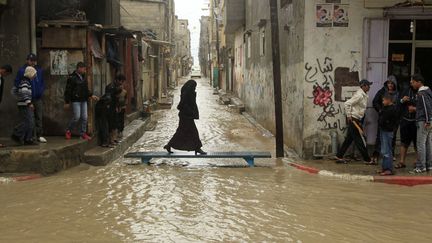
(186, 137)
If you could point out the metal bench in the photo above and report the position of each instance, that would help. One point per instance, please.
(248, 156)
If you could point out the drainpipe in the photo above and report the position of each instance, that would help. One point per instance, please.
(33, 26)
(334, 140)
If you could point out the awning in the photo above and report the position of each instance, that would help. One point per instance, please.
(95, 46)
(159, 42)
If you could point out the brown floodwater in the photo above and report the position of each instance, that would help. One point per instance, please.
(204, 201)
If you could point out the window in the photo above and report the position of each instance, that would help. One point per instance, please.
(262, 41)
(409, 50)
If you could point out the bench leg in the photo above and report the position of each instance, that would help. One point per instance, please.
(146, 161)
(250, 161)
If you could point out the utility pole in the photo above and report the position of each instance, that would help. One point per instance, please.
(274, 19)
(216, 15)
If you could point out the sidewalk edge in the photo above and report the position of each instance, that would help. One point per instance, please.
(393, 180)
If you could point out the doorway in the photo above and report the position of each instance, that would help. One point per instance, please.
(399, 47)
(410, 49)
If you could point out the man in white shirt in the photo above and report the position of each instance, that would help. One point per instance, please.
(355, 109)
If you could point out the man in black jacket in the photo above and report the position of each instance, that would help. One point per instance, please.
(424, 127)
(408, 126)
(77, 94)
(389, 89)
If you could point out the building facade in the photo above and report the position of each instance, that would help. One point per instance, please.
(204, 46)
(156, 19)
(326, 48)
(183, 57)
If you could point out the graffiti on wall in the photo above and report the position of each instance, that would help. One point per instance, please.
(321, 73)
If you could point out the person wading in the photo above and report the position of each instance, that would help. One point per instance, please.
(187, 137)
(355, 109)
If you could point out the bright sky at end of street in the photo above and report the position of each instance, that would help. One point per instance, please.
(193, 10)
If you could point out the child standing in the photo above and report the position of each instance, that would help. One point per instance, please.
(388, 122)
(122, 103)
(102, 110)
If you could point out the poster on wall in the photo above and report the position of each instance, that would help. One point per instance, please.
(340, 15)
(324, 15)
(59, 62)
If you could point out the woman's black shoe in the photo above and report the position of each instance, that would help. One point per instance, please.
(200, 151)
(168, 148)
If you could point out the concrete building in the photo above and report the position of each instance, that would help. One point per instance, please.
(204, 47)
(156, 19)
(326, 48)
(183, 56)
(20, 35)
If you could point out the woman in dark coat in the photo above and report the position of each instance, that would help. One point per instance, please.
(187, 137)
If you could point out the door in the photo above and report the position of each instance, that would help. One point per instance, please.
(375, 63)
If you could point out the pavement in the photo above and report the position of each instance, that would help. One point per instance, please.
(99, 156)
(22, 163)
(56, 155)
(357, 171)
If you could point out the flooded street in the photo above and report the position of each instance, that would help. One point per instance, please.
(203, 201)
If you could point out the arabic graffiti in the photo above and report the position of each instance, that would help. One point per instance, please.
(322, 96)
(321, 75)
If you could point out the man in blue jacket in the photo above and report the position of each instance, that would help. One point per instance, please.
(38, 89)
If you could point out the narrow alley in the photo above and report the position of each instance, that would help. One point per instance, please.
(201, 201)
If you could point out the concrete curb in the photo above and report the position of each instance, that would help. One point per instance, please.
(101, 156)
(393, 180)
(6, 180)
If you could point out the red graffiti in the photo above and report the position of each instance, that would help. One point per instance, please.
(322, 96)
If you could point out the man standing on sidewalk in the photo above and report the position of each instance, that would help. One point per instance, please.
(424, 121)
(355, 109)
(77, 94)
(38, 89)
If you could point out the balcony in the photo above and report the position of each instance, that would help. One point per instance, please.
(233, 15)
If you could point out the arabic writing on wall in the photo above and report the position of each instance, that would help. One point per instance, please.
(321, 74)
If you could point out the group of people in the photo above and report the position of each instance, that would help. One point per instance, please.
(29, 88)
(110, 109)
(409, 110)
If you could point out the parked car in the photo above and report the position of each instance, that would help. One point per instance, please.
(196, 72)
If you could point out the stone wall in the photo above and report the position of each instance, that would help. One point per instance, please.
(326, 50)
(15, 45)
(258, 75)
(291, 23)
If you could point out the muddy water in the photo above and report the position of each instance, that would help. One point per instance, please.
(190, 201)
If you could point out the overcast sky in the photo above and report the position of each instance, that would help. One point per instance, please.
(192, 10)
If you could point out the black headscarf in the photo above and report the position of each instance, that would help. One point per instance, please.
(187, 106)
